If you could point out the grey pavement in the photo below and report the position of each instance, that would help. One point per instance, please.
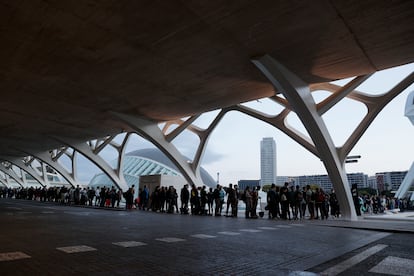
(46, 239)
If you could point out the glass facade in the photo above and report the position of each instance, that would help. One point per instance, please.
(267, 161)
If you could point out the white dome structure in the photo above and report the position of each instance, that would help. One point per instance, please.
(147, 162)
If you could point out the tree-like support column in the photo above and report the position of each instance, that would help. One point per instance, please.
(408, 181)
(298, 99)
(298, 94)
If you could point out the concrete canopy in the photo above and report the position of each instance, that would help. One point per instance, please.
(66, 66)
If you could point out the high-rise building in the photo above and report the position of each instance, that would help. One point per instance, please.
(391, 180)
(267, 161)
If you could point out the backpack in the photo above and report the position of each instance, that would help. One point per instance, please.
(243, 196)
(299, 196)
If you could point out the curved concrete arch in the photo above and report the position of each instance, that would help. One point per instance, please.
(151, 132)
(91, 151)
(12, 174)
(29, 170)
(47, 158)
(3, 182)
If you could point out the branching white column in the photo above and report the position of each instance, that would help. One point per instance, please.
(299, 96)
(299, 99)
(150, 131)
(408, 181)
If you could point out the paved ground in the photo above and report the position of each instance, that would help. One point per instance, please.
(46, 239)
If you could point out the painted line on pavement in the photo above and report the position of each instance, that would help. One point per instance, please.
(394, 266)
(203, 236)
(268, 228)
(76, 249)
(11, 256)
(341, 267)
(129, 243)
(229, 233)
(250, 230)
(170, 239)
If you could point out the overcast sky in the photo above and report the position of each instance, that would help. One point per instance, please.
(233, 149)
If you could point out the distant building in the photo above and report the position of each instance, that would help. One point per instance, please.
(242, 184)
(372, 182)
(391, 180)
(324, 181)
(280, 180)
(267, 161)
(358, 178)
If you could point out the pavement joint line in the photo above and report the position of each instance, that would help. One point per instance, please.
(341, 267)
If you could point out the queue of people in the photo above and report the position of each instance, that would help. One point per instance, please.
(293, 203)
(88, 196)
(286, 202)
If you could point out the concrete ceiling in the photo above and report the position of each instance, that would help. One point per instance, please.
(65, 65)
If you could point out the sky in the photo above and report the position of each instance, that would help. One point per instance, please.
(233, 150)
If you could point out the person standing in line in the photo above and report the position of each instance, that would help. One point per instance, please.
(97, 196)
(118, 197)
(303, 204)
(91, 195)
(319, 198)
(310, 199)
(185, 197)
(284, 202)
(271, 202)
(203, 201)
(229, 192)
(194, 201)
(255, 201)
(298, 196)
(235, 202)
(210, 201)
(248, 202)
(291, 200)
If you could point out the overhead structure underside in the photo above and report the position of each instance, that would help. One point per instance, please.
(67, 67)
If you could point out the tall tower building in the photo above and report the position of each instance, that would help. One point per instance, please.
(267, 161)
